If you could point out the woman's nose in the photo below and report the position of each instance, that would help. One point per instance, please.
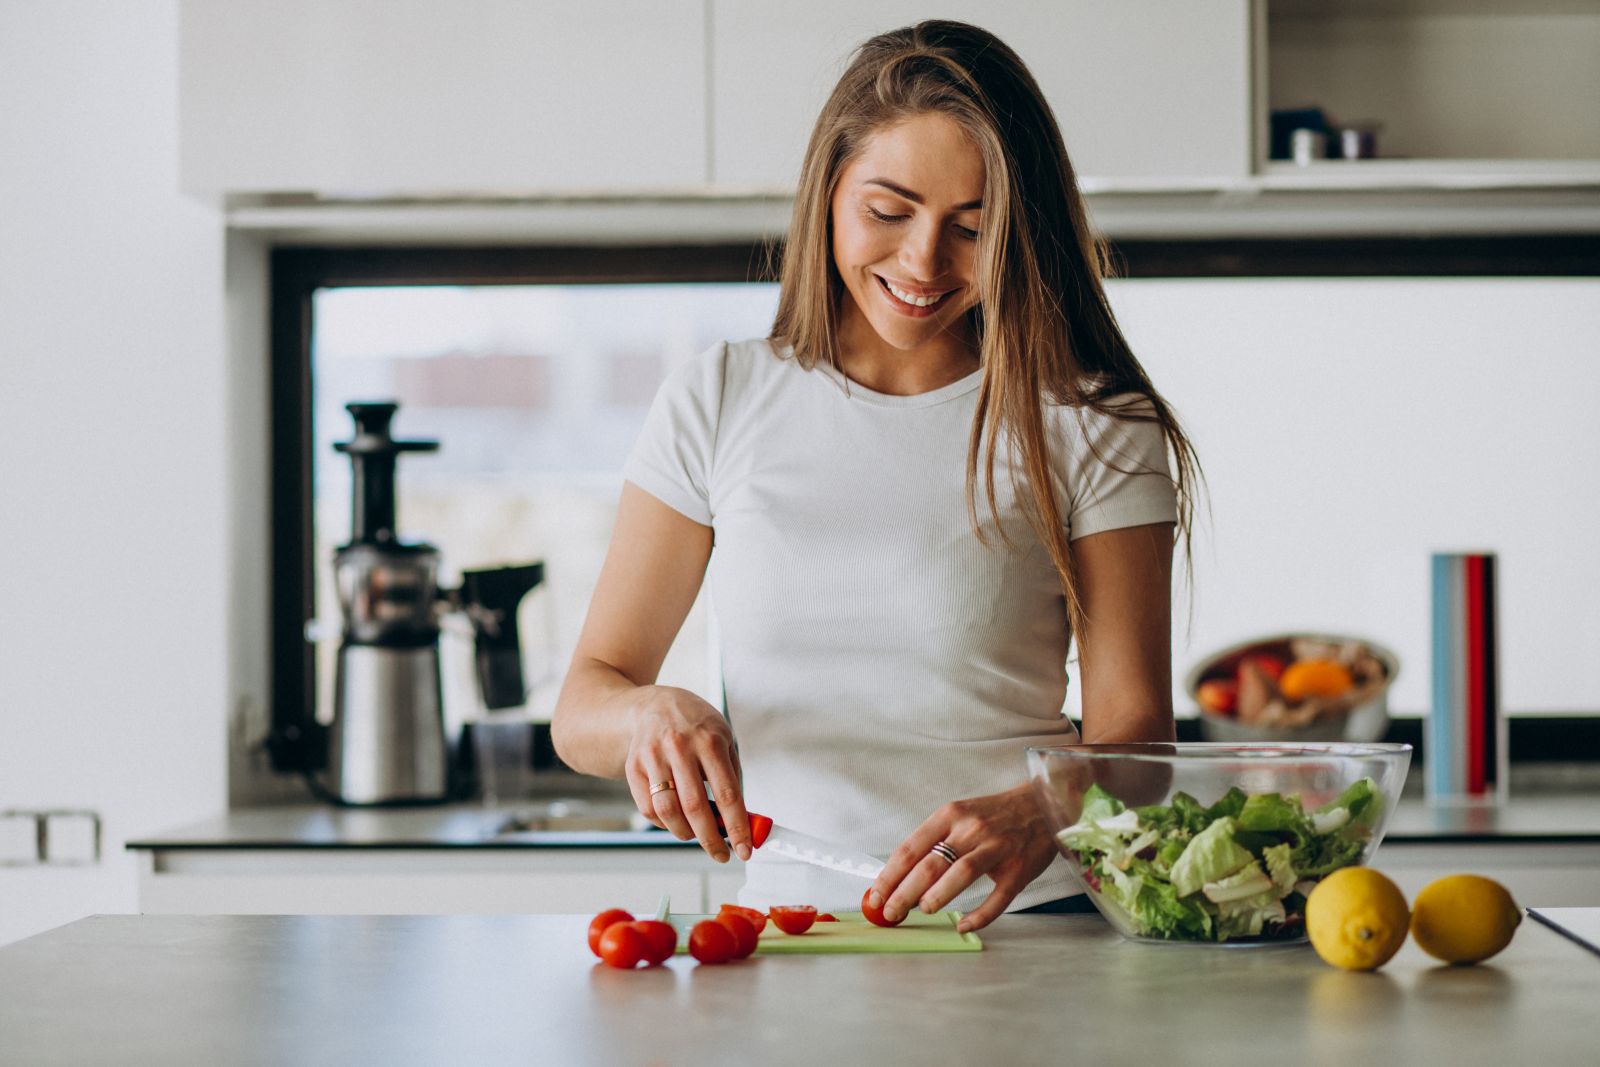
(922, 253)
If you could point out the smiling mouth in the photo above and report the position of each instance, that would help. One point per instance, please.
(911, 301)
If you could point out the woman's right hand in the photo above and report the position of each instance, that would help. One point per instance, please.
(680, 739)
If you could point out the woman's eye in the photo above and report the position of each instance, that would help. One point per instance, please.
(971, 235)
(881, 217)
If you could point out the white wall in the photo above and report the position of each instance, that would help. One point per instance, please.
(1350, 427)
(113, 448)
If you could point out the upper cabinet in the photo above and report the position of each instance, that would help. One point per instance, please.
(1439, 92)
(563, 100)
(1149, 93)
(416, 97)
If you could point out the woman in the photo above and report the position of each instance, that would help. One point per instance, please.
(942, 464)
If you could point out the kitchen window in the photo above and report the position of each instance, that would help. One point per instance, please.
(535, 380)
(534, 368)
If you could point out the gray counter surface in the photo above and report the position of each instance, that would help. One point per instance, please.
(479, 990)
(1569, 818)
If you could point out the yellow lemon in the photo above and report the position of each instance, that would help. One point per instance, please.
(1464, 918)
(1356, 919)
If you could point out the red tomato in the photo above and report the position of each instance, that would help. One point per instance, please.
(1270, 665)
(827, 917)
(744, 935)
(1218, 695)
(875, 915)
(660, 940)
(752, 916)
(795, 919)
(598, 924)
(622, 945)
(711, 942)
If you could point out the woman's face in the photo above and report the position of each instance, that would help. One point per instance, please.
(905, 218)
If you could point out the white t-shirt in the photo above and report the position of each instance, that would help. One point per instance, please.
(878, 660)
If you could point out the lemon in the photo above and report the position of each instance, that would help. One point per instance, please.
(1464, 918)
(1356, 919)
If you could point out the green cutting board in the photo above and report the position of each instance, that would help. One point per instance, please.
(852, 933)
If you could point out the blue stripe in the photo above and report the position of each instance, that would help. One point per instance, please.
(1438, 738)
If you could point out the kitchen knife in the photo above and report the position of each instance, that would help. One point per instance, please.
(780, 840)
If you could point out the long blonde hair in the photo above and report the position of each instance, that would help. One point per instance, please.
(1046, 332)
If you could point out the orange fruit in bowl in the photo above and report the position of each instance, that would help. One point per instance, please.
(1315, 678)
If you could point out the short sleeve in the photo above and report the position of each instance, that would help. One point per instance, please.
(672, 458)
(1118, 474)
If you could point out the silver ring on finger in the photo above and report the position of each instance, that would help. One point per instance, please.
(944, 852)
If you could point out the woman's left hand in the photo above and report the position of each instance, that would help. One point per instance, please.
(1003, 835)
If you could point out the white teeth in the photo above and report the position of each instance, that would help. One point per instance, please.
(915, 301)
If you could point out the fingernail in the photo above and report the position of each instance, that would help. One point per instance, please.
(743, 850)
(721, 856)
(875, 899)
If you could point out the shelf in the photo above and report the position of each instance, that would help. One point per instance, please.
(1430, 174)
(1463, 93)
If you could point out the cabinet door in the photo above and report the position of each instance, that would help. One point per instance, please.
(411, 96)
(1146, 91)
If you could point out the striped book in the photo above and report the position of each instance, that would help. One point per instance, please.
(1464, 739)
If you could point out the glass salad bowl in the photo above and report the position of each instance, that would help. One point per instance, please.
(1214, 843)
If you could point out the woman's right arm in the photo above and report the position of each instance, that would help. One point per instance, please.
(612, 720)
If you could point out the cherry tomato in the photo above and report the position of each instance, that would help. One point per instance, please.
(623, 945)
(598, 924)
(711, 942)
(795, 919)
(1270, 665)
(660, 940)
(752, 916)
(1218, 695)
(875, 915)
(744, 935)
(827, 917)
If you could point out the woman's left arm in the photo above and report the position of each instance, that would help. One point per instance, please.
(1125, 673)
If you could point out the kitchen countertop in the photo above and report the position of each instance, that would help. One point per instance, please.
(524, 989)
(1536, 819)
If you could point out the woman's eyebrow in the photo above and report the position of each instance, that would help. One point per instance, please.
(916, 198)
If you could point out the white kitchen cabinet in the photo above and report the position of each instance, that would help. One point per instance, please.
(428, 881)
(1149, 93)
(528, 881)
(398, 97)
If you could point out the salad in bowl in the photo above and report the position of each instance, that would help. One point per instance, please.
(1162, 865)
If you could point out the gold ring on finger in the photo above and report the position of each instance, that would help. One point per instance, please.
(660, 787)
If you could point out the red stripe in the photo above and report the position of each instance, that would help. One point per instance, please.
(1477, 707)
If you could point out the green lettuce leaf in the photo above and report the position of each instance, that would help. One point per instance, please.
(1362, 799)
(1098, 804)
(1280, 866)
(1230, 804)
(1240, 885)
(1210, 856)
(1273, 813)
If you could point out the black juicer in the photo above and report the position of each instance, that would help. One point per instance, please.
(388, 742)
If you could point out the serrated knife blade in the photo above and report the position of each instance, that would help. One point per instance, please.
(819, 853)
(768, 836)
